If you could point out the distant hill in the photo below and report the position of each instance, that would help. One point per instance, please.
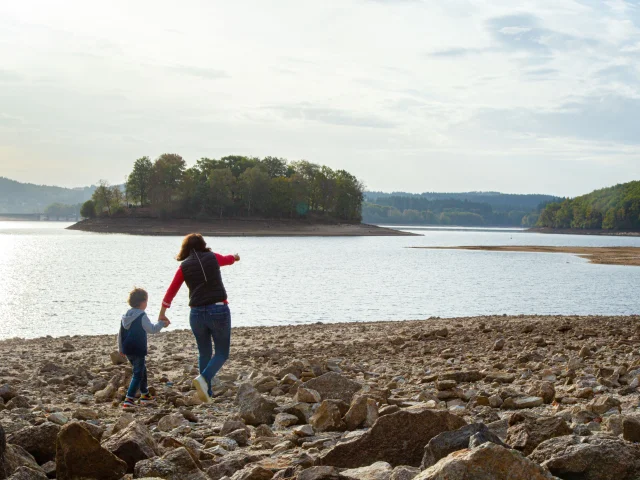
(465, 208)
(17, 197)
(613, 208)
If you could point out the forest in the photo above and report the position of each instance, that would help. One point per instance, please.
(459, 209)
(613, 208)
(233, 186)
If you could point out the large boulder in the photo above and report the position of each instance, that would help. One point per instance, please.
(333, 386)
(362, 413)
(79, 455)
(14, 458)
(26, 473)
(254, 408)
(596, 457)
(230, 464)
(527, 431)
(398, 439)
(175, 465)
(487, 462)
(448, 442)
(132, 445)
(39, 441)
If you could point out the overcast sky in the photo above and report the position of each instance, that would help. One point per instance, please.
(415, 95)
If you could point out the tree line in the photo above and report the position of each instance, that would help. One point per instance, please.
(232, 186)
(420, 210)
(613, 208)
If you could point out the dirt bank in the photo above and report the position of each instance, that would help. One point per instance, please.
(232, 228)
(601, 255)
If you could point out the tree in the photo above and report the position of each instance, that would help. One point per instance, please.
(107, 198)
(88, 209)
(221, 183)
(254, 187)
(139, 180)
(166, 176)
(275, 167)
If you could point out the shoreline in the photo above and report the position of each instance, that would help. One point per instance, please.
(626, 256)
(232, 228)
(578, 231)
(305, 397)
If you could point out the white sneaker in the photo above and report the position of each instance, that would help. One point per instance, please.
(201, 388)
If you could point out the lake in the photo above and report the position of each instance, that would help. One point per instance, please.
(59, 282)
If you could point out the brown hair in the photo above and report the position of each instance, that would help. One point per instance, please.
(193, 241)
(137, 296)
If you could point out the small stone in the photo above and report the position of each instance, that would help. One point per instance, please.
(499, 345)
(304, 431)
(307, 395)
(284, 420)
(117, 359)
(631, 430)
(517, 403)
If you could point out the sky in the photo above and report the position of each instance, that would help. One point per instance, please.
(409, 95)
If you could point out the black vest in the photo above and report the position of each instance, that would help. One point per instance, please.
(203, 292)
(134, 340)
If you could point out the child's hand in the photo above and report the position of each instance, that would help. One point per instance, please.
(236, 257)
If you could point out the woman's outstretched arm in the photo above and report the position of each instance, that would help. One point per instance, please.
(224, 260)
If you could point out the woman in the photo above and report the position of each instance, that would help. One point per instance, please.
(210, 317)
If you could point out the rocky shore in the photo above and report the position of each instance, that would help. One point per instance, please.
(233, 227)
(497, 397)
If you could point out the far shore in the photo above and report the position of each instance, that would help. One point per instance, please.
(578, 231)
(233, 228)
(628, 256)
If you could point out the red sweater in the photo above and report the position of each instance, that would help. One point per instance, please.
(178, 279)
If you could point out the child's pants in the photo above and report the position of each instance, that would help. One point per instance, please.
(139, 379)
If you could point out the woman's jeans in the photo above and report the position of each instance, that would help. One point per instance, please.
(139, 378)
(211, 322)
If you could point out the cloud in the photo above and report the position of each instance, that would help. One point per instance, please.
(202, 72)
(331, 116)
(459, 52)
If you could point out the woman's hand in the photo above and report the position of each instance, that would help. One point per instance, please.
(163, 318)
(236, 257)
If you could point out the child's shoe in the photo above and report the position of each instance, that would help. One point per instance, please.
(129, 404)
(147, 399)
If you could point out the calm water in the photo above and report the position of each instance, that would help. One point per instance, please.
(57, 282)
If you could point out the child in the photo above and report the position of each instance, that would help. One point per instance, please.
(132, 342)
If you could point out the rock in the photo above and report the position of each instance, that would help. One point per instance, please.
(132, 445)
(254, 408)
(377, 471)
(448, 442)
(404, 473)
(117, 359)
(230, 464)
(307, 395)
(57, 418)
(327, 418)
(27, 473)
(264, 431)
(495, 401)
(96, 431)
(333, 386)
(14, 457)
(603, 403)
(585, 352)
(500, 377)
(285, 420)
(109, 392)
(463, 376)
(320, 473)
(545, 390)
(499, 345)
(527, 431)
(175, 465)
(304, 431)
(631, 429)
(19, 401)
(398, 439)
(256, 472)
(363, 412)
(39, 441)
(240, 436)
(79, 454)
(7, 392)
(596, 457)
(519, 403)
(85, 414)
(233, 425)
(388, 410)
(487, 462)
(170, 422)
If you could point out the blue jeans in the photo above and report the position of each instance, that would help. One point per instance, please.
(211, 322)
(139, 378)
